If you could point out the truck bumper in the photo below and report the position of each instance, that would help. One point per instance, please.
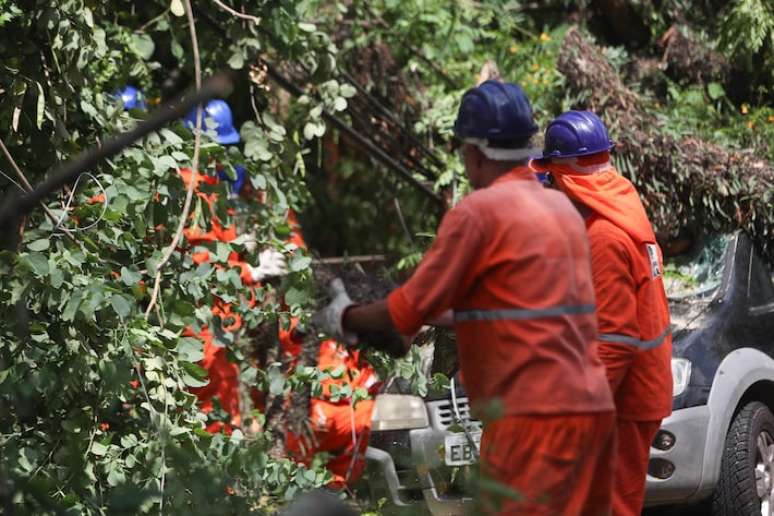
(686, 458)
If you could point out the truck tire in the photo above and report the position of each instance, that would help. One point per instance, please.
(747, 466)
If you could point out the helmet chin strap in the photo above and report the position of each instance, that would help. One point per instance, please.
(498, 154)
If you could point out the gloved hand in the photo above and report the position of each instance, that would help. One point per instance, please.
(271, 264)
(329, 319)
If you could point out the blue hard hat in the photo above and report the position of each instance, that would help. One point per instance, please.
(576, 133)
(219, 111)
(131, 97)
(239, 182)
(495, 111)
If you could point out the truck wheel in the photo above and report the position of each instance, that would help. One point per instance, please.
(746, 485)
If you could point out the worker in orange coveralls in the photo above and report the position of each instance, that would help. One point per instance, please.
(223, 374)
(634, 339)
(340, 427)
(511, 260)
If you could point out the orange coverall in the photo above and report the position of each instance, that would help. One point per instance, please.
(634, 338)
(223, 374)
(340, 428)
(512, 260)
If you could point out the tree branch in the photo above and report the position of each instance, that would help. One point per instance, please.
(28, 188)
(194, 165)
(243, 16)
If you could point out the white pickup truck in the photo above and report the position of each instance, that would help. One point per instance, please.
(717, 447)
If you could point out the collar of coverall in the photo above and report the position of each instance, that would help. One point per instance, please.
(502, 154)
(516, 173)
(606, 193)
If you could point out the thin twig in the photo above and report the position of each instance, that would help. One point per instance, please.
(403, 221)
(184, 215)
(194, 165)
(350, 259)
(243, 16)
(153, 20)
(28, 188)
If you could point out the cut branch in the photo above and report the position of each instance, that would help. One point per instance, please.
(684, 181)
(236, 13)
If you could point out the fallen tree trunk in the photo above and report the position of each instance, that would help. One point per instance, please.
(684, 181)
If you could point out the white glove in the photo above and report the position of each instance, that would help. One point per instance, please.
(329, 319)
(272, 264)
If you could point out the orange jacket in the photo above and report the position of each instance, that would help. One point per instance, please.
(512, 261)
(634, 337)
(218, 232)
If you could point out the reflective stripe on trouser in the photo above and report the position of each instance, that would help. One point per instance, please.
(505, 314)
(631, 341)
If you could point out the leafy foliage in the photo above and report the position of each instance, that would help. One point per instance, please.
(95, 411)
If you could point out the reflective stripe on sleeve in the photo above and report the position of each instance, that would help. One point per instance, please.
(509, 314)
(642, 344)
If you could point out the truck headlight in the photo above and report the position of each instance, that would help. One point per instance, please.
(681, 374)
(398, 412)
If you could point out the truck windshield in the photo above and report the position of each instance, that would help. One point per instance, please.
(698, 272)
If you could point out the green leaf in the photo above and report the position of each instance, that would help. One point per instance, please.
(295, 296)
(39, 245)
(72, 305)
(143, 45)
(177, 8)
(299, 262)
(337, 373)
(715, 90)
(347, 91)
(190, 349)
(276, 381)
(237, 60)
(340, 104)
(98, 449)
(41, 104)
(56, 275)
(130, 276)
(176, 49)
(310, 129)
(190, 381)
(120, 305)
(194, 375)
(38, 263)
(307, 27)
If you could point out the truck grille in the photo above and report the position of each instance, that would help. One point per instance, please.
(444, 413)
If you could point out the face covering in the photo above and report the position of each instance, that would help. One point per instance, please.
(593, 182)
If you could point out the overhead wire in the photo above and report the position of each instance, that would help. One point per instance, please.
(11, 180)
(105, 202)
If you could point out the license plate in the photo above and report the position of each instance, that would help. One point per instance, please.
(458, 449)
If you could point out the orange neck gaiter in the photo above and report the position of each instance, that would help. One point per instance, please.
(592, 181)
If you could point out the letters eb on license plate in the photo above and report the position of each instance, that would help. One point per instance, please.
(458, 449)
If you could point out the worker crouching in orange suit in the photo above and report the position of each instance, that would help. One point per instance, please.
(634, 339)
(512, 262)
(340, 427)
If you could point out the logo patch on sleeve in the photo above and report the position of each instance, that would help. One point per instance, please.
(655, 265)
